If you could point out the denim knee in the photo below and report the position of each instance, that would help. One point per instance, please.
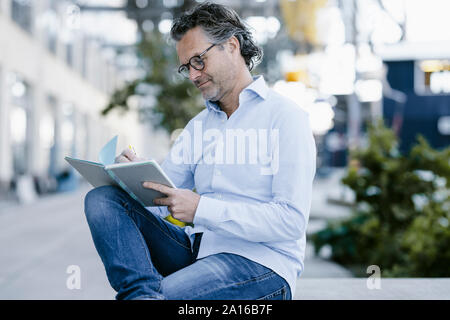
(95, 200)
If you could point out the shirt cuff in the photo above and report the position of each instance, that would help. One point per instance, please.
(209, 212)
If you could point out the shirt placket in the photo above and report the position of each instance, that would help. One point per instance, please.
(217, 171)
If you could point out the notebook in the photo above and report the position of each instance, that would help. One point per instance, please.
(129, 175)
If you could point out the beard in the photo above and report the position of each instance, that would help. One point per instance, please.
(211, 93)
(215, 86)
(209, 88)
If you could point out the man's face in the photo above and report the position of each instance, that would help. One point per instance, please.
(216, 79)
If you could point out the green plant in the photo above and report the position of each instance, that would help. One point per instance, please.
(402, 209)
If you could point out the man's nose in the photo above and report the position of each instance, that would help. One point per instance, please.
(194, 74)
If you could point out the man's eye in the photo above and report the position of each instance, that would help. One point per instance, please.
(197, 61)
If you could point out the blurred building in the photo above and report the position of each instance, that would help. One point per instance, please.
(416, 97)
(54, 81)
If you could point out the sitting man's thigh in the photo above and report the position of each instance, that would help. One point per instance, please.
(224, 276)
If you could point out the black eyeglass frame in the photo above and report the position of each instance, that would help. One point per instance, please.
(186, 65)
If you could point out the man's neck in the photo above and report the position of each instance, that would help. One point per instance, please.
(230, 102)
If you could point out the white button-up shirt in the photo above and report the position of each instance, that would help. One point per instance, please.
(254, 173)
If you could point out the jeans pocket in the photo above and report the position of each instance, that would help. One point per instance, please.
(279, 294)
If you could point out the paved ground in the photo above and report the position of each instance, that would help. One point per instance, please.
(389, 289)
(39, 241)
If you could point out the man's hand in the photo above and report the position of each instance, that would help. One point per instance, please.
(127, 156)
(182, 203)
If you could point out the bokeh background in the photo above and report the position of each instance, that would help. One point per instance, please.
(374, 76)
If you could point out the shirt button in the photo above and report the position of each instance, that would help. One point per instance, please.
(218, 172)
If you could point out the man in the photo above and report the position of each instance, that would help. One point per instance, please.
(250, 210)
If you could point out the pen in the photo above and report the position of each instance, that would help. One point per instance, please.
(131, 148)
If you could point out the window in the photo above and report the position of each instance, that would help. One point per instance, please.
(19, 117)
(47, 131)
(69, 54)
(84, 57)
(50, 21)
(81, 136)
(68, 129)
(22, 14)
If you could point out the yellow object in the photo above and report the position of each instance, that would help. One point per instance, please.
(175, 221)
(435, 65)
(296, 76)
(293, 76)
(300, 17)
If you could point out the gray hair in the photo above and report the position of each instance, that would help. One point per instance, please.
(219, 23)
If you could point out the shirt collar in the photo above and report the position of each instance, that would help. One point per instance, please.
(258, 86)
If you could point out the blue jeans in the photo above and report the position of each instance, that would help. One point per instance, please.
(146, 257)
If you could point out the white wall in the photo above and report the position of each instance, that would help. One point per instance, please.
(49, 75)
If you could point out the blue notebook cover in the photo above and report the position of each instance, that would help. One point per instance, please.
(128, 176)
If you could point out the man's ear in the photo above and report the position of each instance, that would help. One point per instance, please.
(234, 45)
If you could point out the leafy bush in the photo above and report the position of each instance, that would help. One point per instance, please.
(401, 220)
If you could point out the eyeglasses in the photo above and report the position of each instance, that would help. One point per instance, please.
(195, 62)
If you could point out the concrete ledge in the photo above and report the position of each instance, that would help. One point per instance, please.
(357, 289)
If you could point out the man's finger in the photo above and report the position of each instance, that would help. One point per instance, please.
(158, 187)
(162, 201)
(125, 156)
(127, 153)
(121, 159)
